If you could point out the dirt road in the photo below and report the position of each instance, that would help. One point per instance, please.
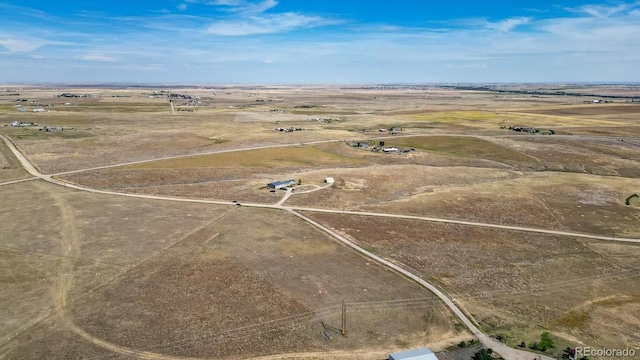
(49, 178)
(507, 352)
(489, 342)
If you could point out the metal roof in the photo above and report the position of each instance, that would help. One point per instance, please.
(285, 182)
(415, 354)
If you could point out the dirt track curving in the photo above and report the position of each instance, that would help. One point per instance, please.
(71, 249)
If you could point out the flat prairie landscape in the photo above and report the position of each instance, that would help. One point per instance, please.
(148, 229)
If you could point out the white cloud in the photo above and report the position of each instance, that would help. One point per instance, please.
(508, 24)
(183, 7)
(265, 24)
(587, 44)
(246, 17)
(96, 57)
(23, 45)
(602, 11)
(245, 7)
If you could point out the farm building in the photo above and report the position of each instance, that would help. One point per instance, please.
(415, 354)
(23, 124)
(280, 184)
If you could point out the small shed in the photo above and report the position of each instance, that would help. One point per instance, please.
(329, 180)
(280, 184)
(415, 354)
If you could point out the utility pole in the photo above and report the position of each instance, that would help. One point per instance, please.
(343, 330)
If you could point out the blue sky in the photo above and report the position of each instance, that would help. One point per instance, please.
(318, 41)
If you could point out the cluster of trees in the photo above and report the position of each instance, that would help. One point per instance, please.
(529, 130)
(471, 342)
(544, 344)
(483, 354)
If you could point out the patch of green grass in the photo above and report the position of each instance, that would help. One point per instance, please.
(30, 135)
(545, 341)
(457, 116)
(323, 112)
(462, 147)
(303, 156)
(125, 107)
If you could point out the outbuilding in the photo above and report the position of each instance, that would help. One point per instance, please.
(329, 180)
(415, 354)
(280, 184)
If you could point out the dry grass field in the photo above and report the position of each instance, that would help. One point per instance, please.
(517, 284)
(175, 280)
(87, 275)
(557, 201)
(9, 166)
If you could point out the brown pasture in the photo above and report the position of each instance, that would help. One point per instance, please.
(512, 279)
(10, 168)
(91, 275)
(135, 275)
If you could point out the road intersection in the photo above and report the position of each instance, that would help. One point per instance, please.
(489, 342)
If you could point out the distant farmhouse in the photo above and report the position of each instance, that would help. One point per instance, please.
(280, 184)
(22, 124)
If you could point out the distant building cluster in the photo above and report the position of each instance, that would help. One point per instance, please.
(49, 129)
(22, 124)
(179, 96)
(291, 129)
(324, 120)
(379, 147)
(32, 124)
(72, 95)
